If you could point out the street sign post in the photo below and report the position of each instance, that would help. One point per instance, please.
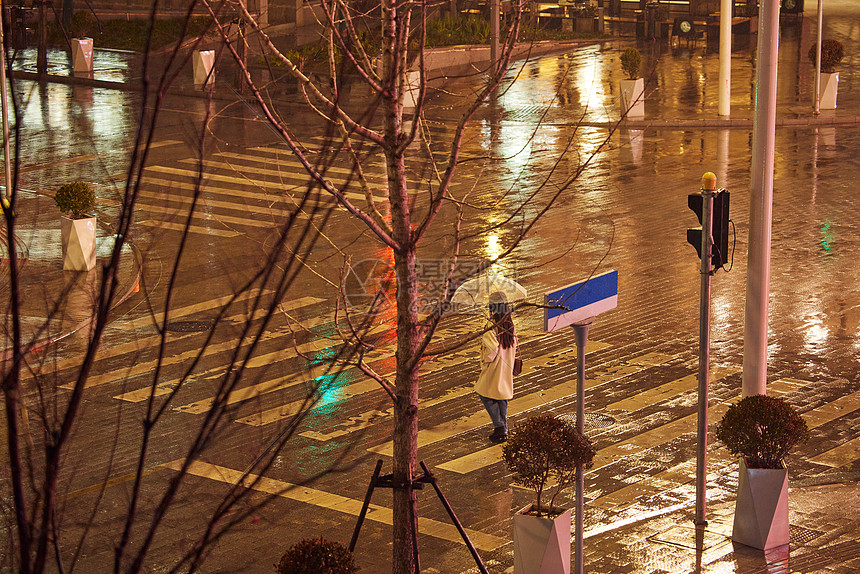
(577, 305)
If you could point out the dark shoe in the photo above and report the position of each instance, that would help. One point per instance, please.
(499, 435)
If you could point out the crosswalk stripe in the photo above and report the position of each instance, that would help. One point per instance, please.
(845, 453)
(243, 180)
(181, 227)
(491, 455)
(146, 366)
(208, 217)
(478, 419)
(667, 390)
(278, 195)
(272, 212)
(283, 162)
(336, 502)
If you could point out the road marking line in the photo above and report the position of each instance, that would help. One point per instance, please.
(667, 390)
(832, 410)
(191, 228)
(254, 391)
(146, 366)
(202, 218)
(478, 419)
(278, 195)
(282, 176)
(845, 453)
(203, 203)
(336, 502)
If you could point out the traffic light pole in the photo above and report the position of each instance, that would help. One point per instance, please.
(709, 186)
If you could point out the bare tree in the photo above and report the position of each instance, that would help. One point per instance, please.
(391, 123)
(53, 520)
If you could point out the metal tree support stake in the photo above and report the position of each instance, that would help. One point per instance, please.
(386, 481)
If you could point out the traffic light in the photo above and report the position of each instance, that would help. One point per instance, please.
(719, 229)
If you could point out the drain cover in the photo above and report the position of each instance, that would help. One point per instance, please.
(592, 420)
(189, 326)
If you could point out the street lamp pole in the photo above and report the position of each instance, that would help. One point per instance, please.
(725, 57)
(817, 97)
(7, 166)
(761, 203)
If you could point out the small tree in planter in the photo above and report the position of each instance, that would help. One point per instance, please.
(542, 449)
(317, 556)
(761, 430)
(632, 87)
(78, 230)
(832, 53)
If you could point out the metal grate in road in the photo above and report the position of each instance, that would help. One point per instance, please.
(189, 326)
(592, 420)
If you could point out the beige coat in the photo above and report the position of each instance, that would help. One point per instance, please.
(497, 364)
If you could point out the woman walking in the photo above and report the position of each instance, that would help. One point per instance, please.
(495, 386)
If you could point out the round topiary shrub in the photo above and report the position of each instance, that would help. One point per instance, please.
(630, 62)
(76, 199)
(546, 447)
(832, 53)
(762, 429)
(317, 556)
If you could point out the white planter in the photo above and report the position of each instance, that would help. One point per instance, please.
(541, 544)
(829, 87)
(82, 55)
(633, 97)
(761, 509)
(79, 243)
(413, 86)
(201, 63)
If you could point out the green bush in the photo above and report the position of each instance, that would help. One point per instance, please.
(832, 53)
(762, 429)
(317, 556)
(128, 34)
(542, 448)
(630, 62)
(76, 199)
(458, 29)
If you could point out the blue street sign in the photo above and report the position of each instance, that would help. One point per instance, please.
(582, 301)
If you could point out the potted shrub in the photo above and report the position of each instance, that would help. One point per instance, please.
(761, 430)
(542, 450)
(832, 53)
(317, 556)
(81, 44)
(632, 87)
(78, 228)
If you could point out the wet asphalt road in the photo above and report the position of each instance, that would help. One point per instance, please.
(626, 211)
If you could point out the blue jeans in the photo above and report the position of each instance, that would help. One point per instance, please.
(498, 411)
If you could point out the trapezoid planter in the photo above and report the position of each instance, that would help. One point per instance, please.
(82, 56)
(829, 88)
(79, 243)
(761, 509)
(633, 98)
(541, 544)
(202, 62)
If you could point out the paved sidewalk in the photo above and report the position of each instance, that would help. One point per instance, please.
(825, 527)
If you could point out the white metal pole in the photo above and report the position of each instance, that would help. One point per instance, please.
(761, 203)
(494, 34)
(581, 335)
(7, 166)
(725, 57)
(817, 95)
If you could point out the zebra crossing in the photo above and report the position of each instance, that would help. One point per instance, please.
(258, 189)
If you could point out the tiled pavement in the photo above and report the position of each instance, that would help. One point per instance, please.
(639, 511)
